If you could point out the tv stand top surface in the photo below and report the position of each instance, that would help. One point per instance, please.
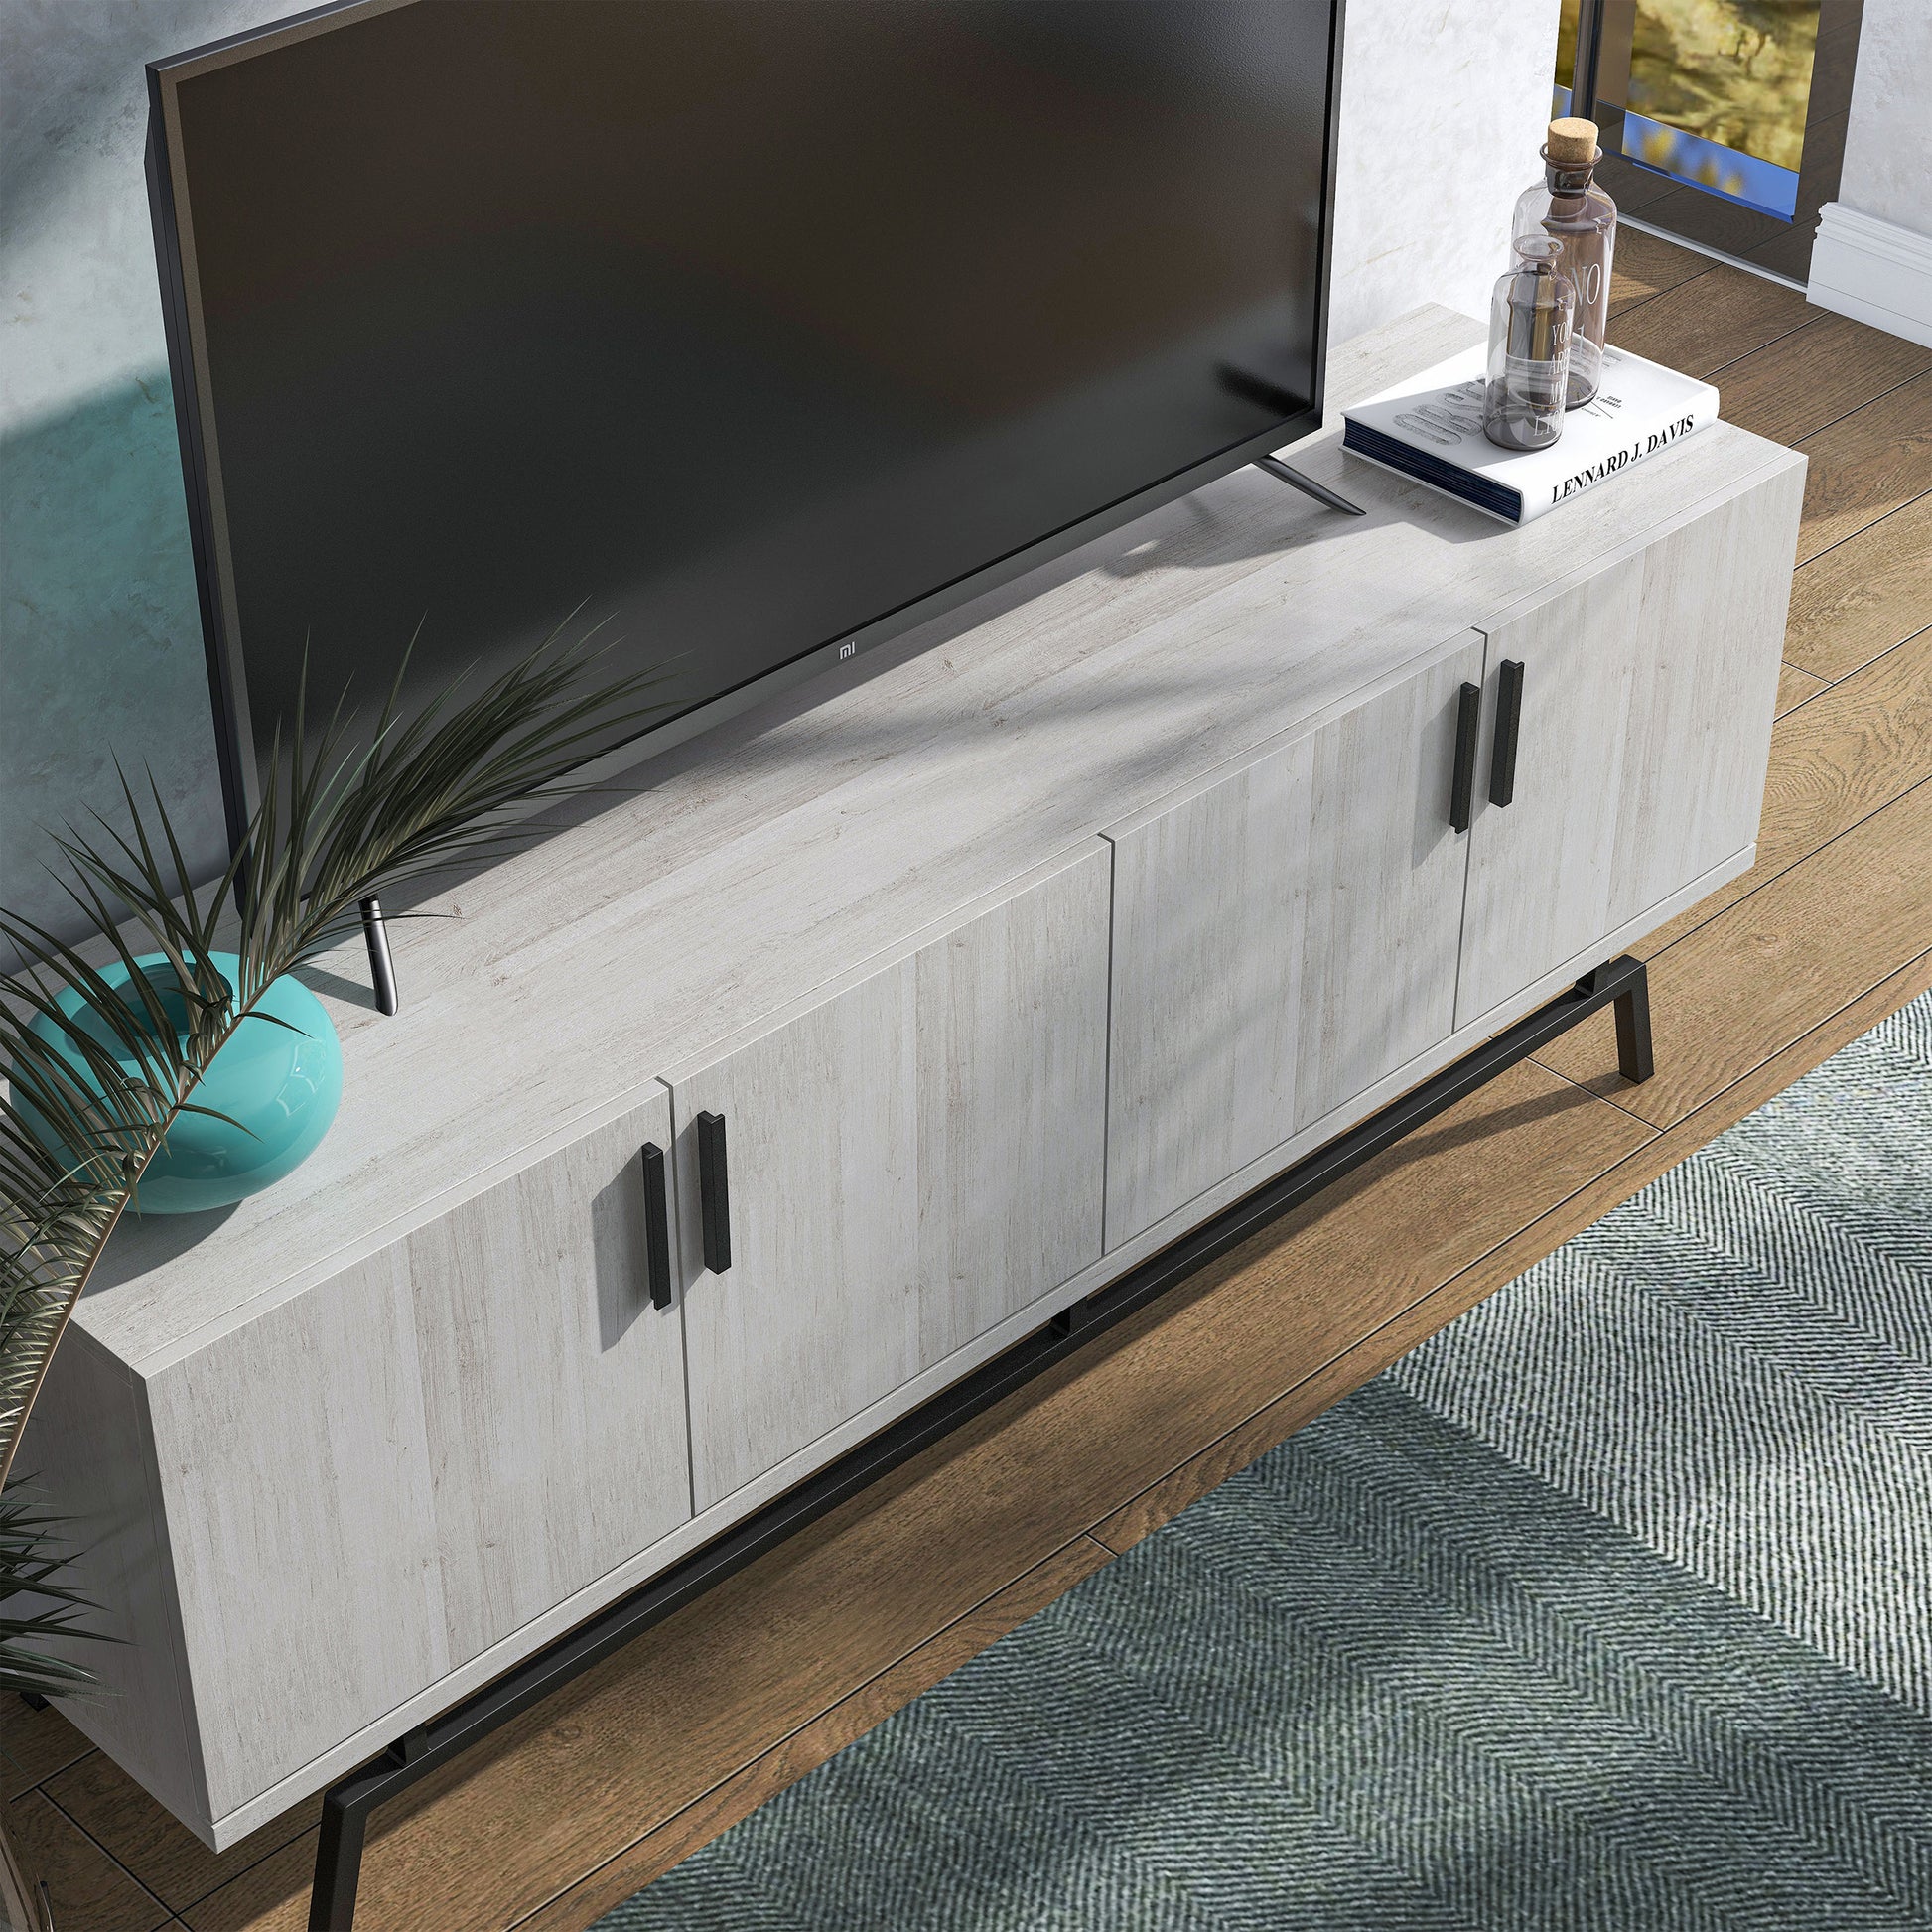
(740, 874)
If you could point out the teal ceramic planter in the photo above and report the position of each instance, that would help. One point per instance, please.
(282, 1084)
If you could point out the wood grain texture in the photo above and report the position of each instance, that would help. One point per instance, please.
(1313, 1285)
(1686, 211)
(404, 1862)
(285, 1445)
(274, 1896)
(1245, 1180)
(1653, 1156)
(34, 1744)
(911, 1161)
(813, 1743)
(1789, 253)
(1285, 934)
(1795, 687)
(700, 1527)
(1828, 1029)
(1648, 696)
(1866, 466)
(508, 1830)
(613, 1762)
(698, 1698)
(1161, 1502)
(370, 1484)
(1645, 265)
(270, 1897)
(1861, 597)
(297, 1395)
(1868, 741)
(1742, 987)
(648, 1732)
(90, 1424)
(1710, 320)
(808, 835)
(86, 1887)
(153, 1846)
(552, 1389)
(583, 1759)
(1808, 379)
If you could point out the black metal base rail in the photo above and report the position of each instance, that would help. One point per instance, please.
(348, 1804)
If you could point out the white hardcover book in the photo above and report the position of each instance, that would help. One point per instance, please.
(1430, 430)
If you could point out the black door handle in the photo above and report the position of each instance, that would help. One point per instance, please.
(657, 1226)
(1463, 786)
(1509, 720)
(714, 1193)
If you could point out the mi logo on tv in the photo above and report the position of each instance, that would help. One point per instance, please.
(850, 649)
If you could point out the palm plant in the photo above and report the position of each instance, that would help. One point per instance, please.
(340, 821)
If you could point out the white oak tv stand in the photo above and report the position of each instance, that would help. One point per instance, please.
(1012, 960)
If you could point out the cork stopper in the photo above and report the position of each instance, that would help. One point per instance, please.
(1572, 143)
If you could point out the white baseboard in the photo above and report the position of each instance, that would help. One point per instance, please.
(1873, 271)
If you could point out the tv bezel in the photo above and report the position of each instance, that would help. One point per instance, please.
(201, 457)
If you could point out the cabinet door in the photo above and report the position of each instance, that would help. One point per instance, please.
(1285, 934)
(1647, 694)
(372, 1482)
(909, 1160)
(553, 1389)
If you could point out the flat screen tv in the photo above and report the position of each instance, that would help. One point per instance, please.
(750, 332)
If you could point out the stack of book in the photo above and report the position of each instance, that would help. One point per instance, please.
(1430, 429)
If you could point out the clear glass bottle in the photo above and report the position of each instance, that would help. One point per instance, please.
(1529, 349)
(1568, 205)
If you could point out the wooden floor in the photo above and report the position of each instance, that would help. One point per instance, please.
(601, 1788)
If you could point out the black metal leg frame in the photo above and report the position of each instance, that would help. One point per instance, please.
(346, 1807)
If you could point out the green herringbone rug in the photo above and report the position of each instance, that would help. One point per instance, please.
(1607, 1610)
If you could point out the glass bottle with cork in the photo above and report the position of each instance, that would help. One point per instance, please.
(1570, 209)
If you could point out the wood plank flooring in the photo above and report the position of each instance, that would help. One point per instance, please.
(1863, 596)
(641, 1762)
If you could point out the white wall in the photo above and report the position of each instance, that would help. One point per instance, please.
(1888, 139)
(100, 651)
(1444, 106)
(1873, 254)
(101, 648)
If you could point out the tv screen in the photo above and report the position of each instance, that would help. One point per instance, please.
(741, 330)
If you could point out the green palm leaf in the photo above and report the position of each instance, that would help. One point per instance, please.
(343, 818)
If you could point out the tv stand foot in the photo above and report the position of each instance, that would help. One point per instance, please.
(1307, 485)
(382, 969)
(1629, 985)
